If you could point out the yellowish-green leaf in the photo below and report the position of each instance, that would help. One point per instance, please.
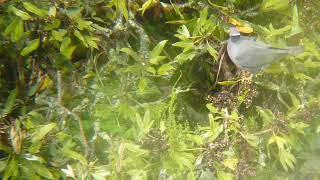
(186, 44)
(157, 59)
(34, 9)
(41, 169)
(151, 70)
(142, 84)
(234, 21)
(227, 83)
(91, 41)
(299, 126)
(54, 24)
(100, 28)
(131, 53)
(123, 8)
(11, 170)
(185, 56)
(23, 15)
(10, 103)
(66, 48)
(83, 24)
(147, 5)
(15, 29)
(33, 45)
(52, 11)
(251, 139)
(74, 155)
(47, 82)
(212, 52)
(286, 159)
(180, 21)
(59, 35)
(296, 29)
(80, 37)
(266, 114)
(221, 175)
(212, 108)
(245, 29)
(164, 69)
(158, 49)
(231, 163)
(274, 5)
(42, 131)
(74, 13)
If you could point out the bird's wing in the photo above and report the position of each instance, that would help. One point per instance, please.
(257, 53)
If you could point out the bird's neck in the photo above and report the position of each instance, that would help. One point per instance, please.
(235, 38)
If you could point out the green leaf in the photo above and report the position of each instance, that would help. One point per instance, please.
(3, 165)
(41, 169)
(12, 170)
(91, 41)
(34, 9)
(164, 69)
(158, 49)
(66, 48)
(186, 44)
(156, 60)
(131, 53)
(148, 4)
(231, 163)
(151, 70)
(274, 5)
(100, 28)
(286, 159)
(251, 139)
(5, 148)
(299, 126)
(23, 15)
(58, 35)
(142, 84)
(33, 45)
(215, 129)
(41, 132)
(212, 108)
(74, 155)
(15, 29)
(221, 175)
(266, 114)
(54, 24)
(183, 33)
(10, 102)
(74, 12)
(296, 29)
(123, 8)
(212, 52)
(52, 11)
(185, 56)
(227, 83)
(80, 37)
(83, 24)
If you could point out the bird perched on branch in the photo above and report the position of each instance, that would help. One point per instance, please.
(254, 56)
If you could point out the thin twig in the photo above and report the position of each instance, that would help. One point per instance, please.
(225, 124)
(221, 54)
(263, 132)
(83, 136)
(59, 87)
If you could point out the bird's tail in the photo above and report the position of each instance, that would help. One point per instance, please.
(295, 50)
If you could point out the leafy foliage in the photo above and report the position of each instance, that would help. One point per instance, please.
(143, 90)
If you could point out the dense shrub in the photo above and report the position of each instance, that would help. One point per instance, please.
(144, 90)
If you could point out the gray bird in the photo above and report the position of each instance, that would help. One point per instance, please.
(254, 56)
